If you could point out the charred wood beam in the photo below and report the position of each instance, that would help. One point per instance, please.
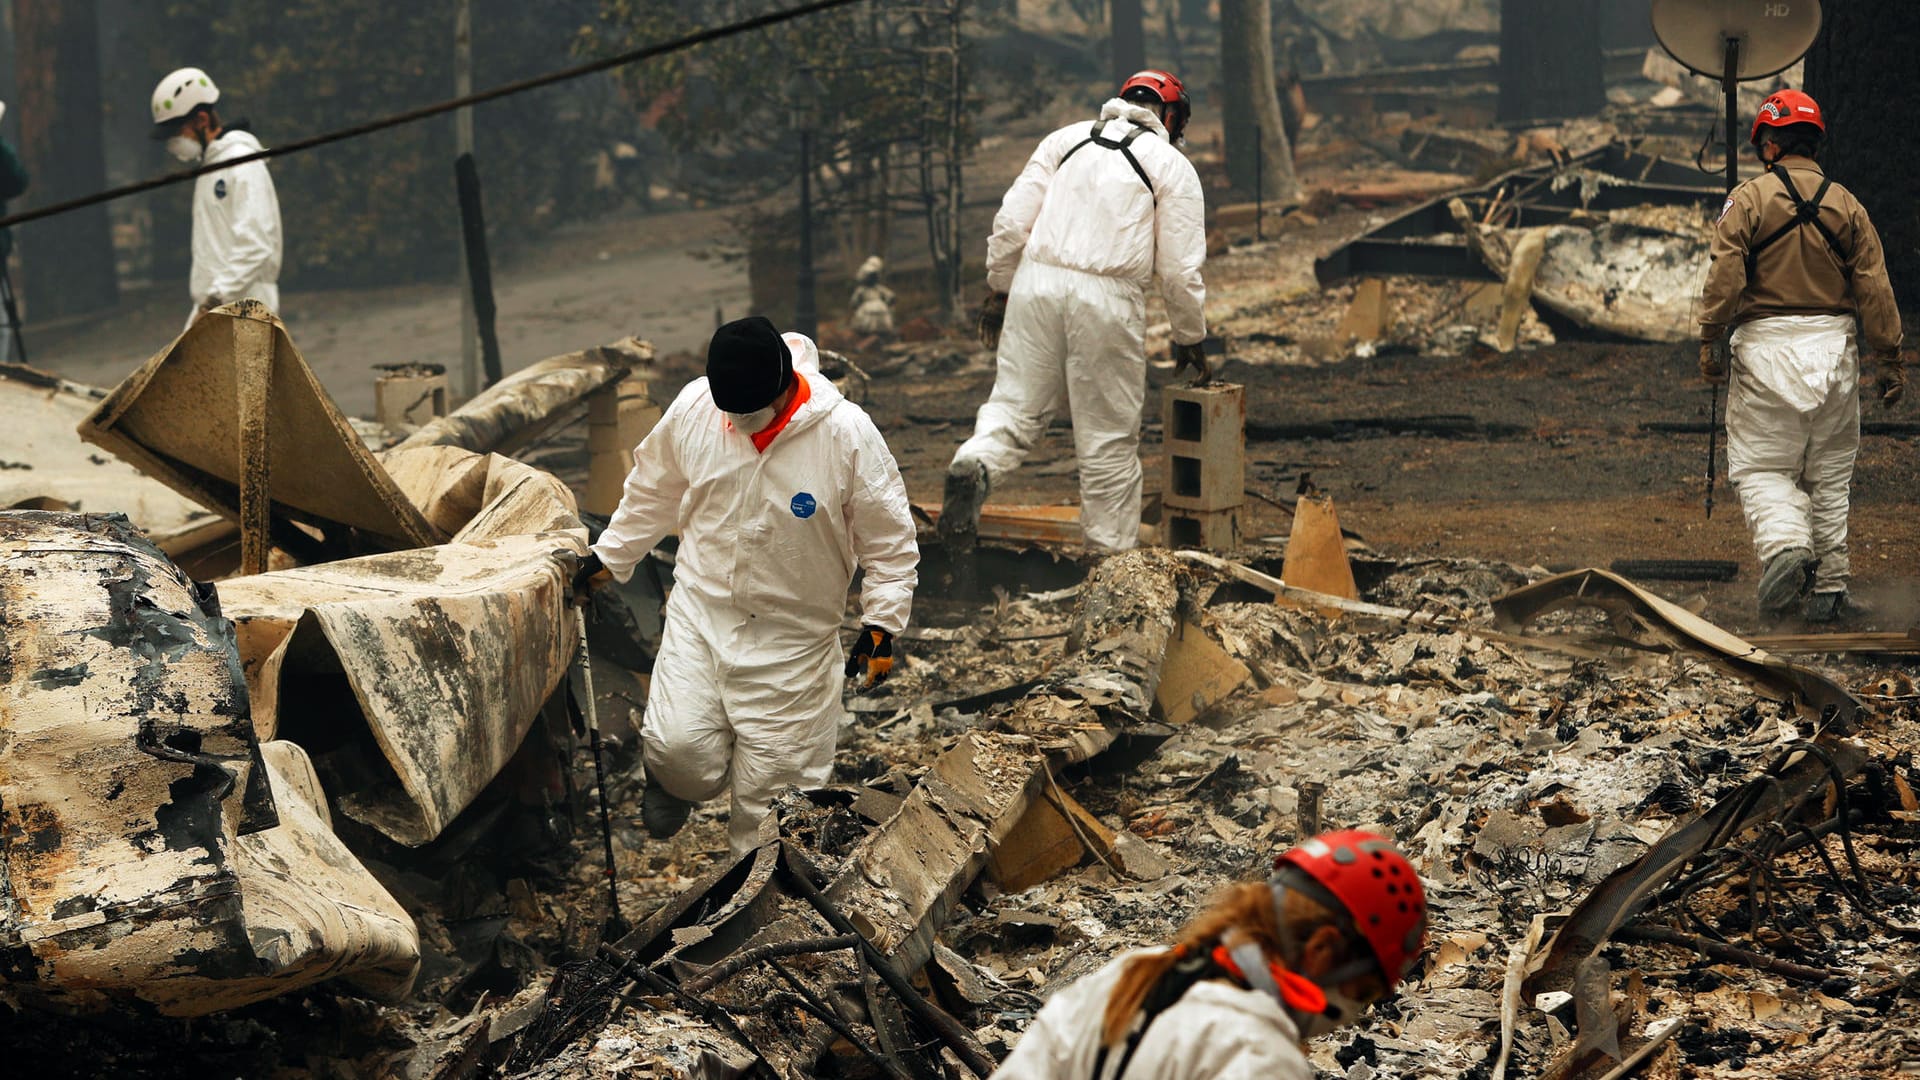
(1633, 888)
(1732, 954)
(799, 873)
(759, 954)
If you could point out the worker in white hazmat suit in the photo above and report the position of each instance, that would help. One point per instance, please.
(237, 247)
(1100, 208)
(1270, 965)
(779, 489)
(1799, 276)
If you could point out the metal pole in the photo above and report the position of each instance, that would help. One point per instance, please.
(1259, 180)
(463, 146)
(806, 317)
(591, 707)
(16, 345)
(473, 228)
(1730, 90)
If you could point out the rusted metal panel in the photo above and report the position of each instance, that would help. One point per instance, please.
(129, 770)
(181, 417)
(526, 404)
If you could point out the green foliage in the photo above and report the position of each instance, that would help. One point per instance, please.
(381, 208)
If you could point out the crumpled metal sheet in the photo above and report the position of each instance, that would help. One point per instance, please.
(1639, 614)
(129, 771)
(474, 496)
(1619, 278)
(526, 404)
(178, 419)
(313, 912)
(413, 676)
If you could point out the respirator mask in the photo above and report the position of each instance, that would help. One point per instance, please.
(184, 150)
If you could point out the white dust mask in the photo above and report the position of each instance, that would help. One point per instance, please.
(184, 150)
(752, 423)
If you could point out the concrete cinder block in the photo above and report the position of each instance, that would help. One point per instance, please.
(1218, 530)
(1204, 433)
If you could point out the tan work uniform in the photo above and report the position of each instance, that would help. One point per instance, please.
(1799, 310)
(1798, 274)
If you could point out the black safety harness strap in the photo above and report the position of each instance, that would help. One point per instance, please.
(1125, 146)
(1170, 989)
(1805, 212)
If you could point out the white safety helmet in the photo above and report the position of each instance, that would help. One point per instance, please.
(182, 92)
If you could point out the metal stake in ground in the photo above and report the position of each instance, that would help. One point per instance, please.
(1713, 441)
(616, 925)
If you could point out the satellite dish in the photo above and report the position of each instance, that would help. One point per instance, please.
(1773, 34)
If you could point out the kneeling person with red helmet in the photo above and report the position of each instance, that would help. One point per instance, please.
(1270, 965)
(1799, 276)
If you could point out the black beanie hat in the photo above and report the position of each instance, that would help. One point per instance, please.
(747, 365)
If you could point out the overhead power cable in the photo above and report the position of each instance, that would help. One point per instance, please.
(607, 63)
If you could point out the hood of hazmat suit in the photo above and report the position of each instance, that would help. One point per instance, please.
(1215, 1031)
(237, 243)
(746, 689)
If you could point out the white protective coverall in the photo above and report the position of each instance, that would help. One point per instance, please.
(1793, 430)
(1074, 246)
(1216, 1031)
(236, 228)
(746, 689)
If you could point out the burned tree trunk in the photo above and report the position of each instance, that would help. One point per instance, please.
(1127, 27)
(1550, 63)
(1259, 158)
(1858, 72)
(68, 259)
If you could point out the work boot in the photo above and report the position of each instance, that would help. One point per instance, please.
(966, 494)
(661, 812)
(1788, 577)
(1826, 607)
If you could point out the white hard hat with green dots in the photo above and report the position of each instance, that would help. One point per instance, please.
(180, 93)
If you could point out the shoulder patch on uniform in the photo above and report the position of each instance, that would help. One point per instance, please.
(220, 188)
(1724, 207)
(803, 505)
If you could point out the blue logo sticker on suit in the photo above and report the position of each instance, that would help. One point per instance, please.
(220, 189)
(803, 505)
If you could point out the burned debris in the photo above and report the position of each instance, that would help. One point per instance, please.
(312, 765)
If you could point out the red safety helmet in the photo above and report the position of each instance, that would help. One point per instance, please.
(1784, 108)
(1170, 90)
(1376, 885)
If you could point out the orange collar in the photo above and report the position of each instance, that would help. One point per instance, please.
(764, 437)
(1296, 991)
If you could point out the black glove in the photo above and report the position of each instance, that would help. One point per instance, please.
(1713, 364)
(589, 576)
(1893, 377)
(993, 315)
(872, 655)
(1195, 357)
